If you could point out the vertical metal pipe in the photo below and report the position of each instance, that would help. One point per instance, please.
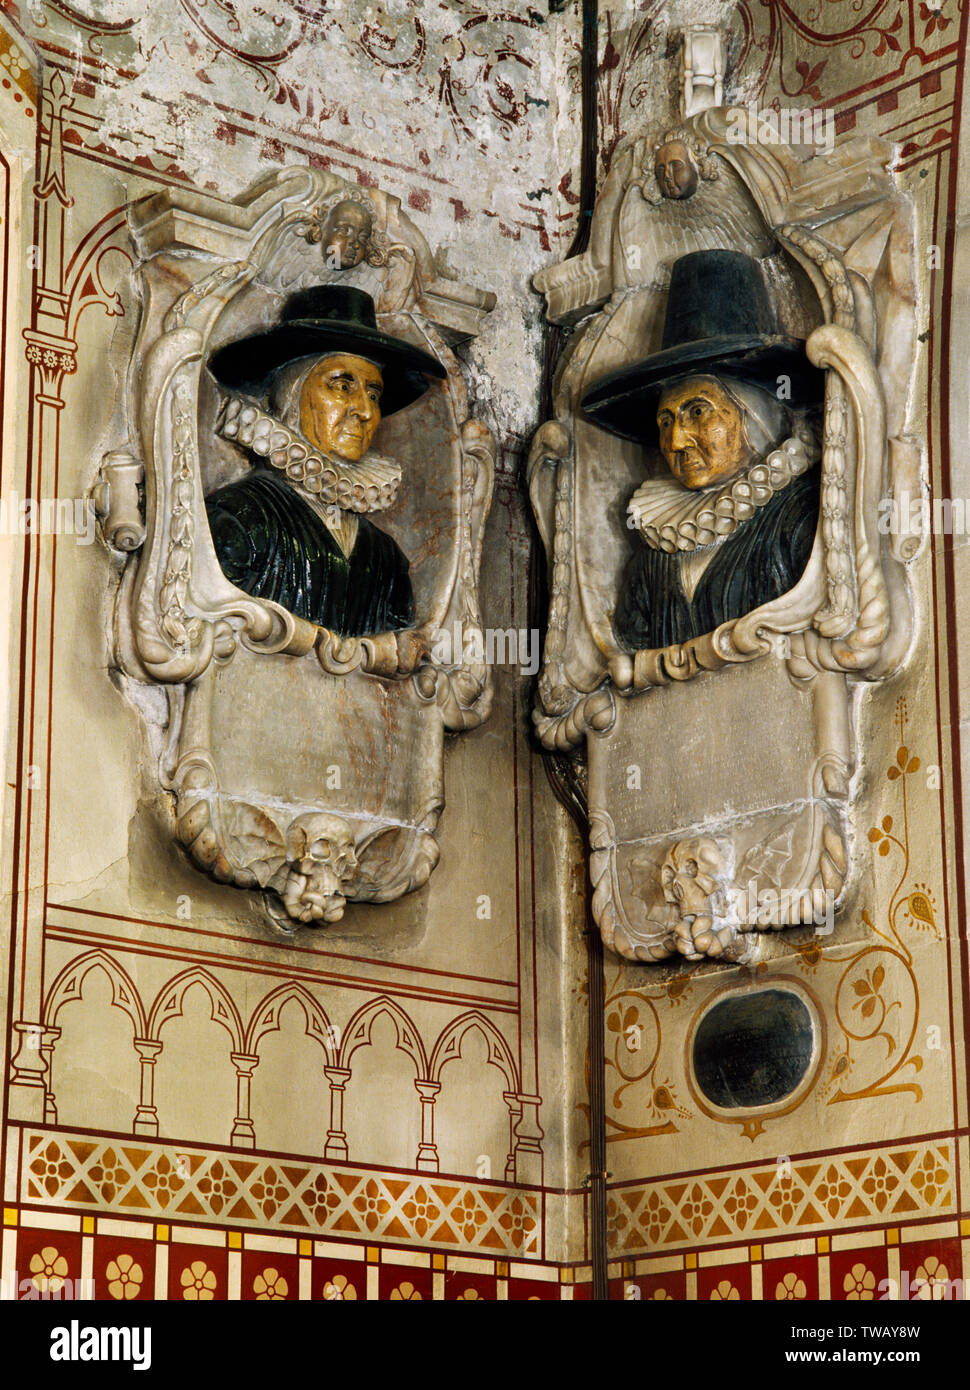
(559, 768)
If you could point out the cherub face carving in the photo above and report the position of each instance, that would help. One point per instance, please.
(322, 862)
(346, 235)
(675, 170)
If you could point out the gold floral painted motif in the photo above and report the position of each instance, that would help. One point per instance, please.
(879, 985)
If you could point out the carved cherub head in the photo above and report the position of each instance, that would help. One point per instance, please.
(346, 235)
(679, 163)
(675, 170)
(322, 862)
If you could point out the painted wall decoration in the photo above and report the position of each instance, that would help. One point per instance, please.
(405, 1036)
(397, 1107)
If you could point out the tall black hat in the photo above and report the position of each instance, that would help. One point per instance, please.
(720, 320)
(321, 320)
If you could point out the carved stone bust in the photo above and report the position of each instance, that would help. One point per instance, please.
(716, 584)
(296, 529)
(283, 590)
(728, 401)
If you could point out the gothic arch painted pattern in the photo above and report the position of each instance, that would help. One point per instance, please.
(266, 1019)
(358, 1033)
(68, 986)
(448, 1047)
(84, 277)
(169, 1003)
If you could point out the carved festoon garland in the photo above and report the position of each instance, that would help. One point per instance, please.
(461, 689)
(183, 632)
(837, 617)
(564, 715)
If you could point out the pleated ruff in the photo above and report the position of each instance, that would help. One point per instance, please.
(763, 558)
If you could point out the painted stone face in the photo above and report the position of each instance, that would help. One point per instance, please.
(340, 405)
(675, 170)
(702, 433)
(346, 235)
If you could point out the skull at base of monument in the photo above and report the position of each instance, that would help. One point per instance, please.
(321, 865)
(689, 877)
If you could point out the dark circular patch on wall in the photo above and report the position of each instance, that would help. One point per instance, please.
(753, 1049)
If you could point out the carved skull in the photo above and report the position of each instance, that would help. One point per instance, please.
(689, 877)
(322, 862)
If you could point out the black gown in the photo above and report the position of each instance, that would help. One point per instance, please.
(271, 544)
(764, 558)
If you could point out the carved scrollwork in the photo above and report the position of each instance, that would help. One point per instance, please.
(652, 942)
(845, 610)
(462, 690)
(844, 353)
(352, 816)
(594, 712)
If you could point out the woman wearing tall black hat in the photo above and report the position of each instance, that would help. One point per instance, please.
(296, 529)
(729, 399)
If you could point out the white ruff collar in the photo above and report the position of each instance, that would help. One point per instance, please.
(367, 486)
(670, 517)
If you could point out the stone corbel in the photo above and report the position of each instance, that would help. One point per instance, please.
(117, 500)
(703, 68)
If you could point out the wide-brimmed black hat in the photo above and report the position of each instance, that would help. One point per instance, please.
(719, 321)
(321, 320)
